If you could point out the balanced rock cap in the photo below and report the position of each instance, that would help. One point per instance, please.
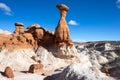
(19, 24)
(62, 7)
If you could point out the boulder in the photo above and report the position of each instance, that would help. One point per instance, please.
(9, 72)
(36, 68)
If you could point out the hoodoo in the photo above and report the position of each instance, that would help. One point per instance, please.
(19, 28)
(62, 34)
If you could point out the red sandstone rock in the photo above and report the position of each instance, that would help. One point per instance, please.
(32, 28)
(36, 68)
(29, 38)
(8, 72)
(21, 39)
(62, 31)
(19, 28)
(36, 36)
(37, 32)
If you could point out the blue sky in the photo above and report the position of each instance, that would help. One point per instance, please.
(88, 20)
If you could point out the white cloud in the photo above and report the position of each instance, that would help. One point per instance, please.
(118, 3)
(118, 0)
(5, 8)
(72, 22)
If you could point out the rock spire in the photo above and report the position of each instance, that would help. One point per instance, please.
(62, 34)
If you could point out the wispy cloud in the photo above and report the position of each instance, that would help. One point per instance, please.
(6, 9)
(118, 3)
(72, 22)
(118, 0)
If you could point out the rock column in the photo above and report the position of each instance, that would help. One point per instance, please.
(64, 45)
(62, 35)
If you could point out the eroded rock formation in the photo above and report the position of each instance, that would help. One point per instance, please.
(41, 36)
(62, 35)
(35, 36)
(19, 28)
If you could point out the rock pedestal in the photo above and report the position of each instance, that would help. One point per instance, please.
(62, 35)
(64, 45)
(19, 28)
